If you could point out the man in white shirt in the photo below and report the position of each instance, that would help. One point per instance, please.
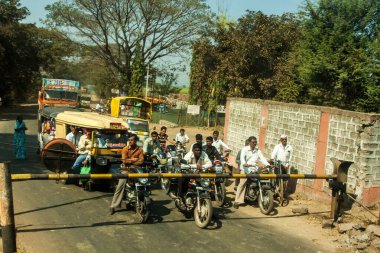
(218, 143)
(197, 158)
(72, 136)
(181, 137)
(84, 150)
(282, 152)
(249, 157)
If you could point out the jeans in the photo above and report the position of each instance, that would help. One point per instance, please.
(78, 163)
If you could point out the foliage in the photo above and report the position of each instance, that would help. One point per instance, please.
(336, 65)
(246, 59)
(166, 85)
(113, 30)
(19, 52)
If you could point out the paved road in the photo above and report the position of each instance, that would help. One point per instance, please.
(52, 217)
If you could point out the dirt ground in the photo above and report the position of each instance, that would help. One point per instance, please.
(308, 225)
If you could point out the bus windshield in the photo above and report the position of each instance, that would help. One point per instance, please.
(61, 95)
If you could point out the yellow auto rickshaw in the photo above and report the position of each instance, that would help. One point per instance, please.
(109, 136)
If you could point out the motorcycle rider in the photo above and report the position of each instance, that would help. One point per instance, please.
(283, 152)
(151, 145)
(219, 144)
(132, 157)
(196, 158)
(181, 137)
(249, 157)
(162, 135)
(198, 139)
(238, 162)
(211, 151)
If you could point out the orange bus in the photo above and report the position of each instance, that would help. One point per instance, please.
(58, 93)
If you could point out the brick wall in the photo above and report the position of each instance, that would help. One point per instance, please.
(317, 134)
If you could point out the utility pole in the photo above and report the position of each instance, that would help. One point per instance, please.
(147, 82)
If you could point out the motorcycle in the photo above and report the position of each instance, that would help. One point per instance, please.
(136, 195)
(218, 191)
(278, 183)
(162, 161)
(195, 197)
(259, 189)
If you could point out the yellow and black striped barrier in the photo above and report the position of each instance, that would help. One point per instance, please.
(19, 177)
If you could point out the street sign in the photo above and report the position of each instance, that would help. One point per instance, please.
(221, 108)
(193, 109)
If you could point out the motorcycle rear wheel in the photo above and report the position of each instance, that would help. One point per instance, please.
(203, 218)
(143, 209)
(266, 201)
(220, 197)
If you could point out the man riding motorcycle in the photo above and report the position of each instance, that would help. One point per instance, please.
(250, 156)
(211, 150)
(197, 159)
(151, 145)
(132, 156)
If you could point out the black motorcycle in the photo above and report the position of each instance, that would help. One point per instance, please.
(136, 195)
(259, 189)
(218, 185)
(192, 195)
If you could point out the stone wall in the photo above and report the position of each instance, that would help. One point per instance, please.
(317, 134)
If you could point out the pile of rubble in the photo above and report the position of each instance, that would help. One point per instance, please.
(363, 238)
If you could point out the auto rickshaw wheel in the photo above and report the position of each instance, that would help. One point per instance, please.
(59, 155)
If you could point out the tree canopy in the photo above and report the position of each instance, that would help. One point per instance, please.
(328, 54)
(118, 31)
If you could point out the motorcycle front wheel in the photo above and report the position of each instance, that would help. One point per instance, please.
(143, 209)
(266, 201)
(220, 194)
(165, 185)
(203, 217)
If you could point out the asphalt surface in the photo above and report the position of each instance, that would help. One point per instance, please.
(52, 217)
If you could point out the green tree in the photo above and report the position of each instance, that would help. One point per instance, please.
(137, 73)
(247, 58)
(19, 53)
(114, 29)
(336, 64)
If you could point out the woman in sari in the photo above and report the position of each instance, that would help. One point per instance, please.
(19, 138)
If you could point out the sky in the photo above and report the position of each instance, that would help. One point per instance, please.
(233, 9)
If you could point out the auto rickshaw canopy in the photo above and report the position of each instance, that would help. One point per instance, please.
(91, 120)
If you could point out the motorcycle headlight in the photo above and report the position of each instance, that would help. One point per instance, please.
(218, 169)
(205, 182)
(101, 161)
(143, 180)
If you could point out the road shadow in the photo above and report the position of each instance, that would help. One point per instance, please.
(64, 204)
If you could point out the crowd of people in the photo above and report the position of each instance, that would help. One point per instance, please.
(202, 155)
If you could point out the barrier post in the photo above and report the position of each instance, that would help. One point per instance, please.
(338, 186)
(8, 230)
